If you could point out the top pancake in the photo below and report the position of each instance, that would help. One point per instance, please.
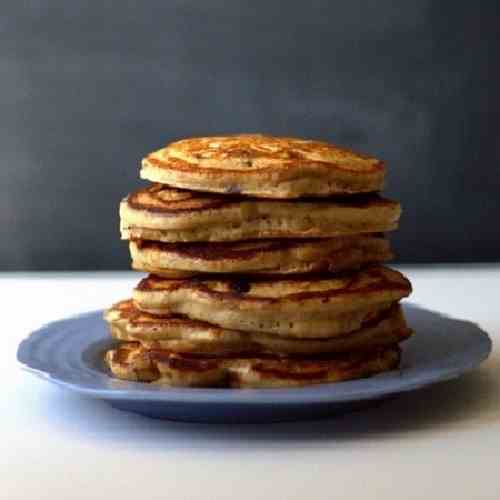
(263, 166)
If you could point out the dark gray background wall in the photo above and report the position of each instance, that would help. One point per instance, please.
(88, 88)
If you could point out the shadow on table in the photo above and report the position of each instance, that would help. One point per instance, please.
(473, 400)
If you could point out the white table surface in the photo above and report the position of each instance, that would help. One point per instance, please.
(441, 442)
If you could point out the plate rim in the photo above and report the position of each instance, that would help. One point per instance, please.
(314, 394)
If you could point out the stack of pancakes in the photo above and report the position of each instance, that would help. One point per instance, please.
(264, 256)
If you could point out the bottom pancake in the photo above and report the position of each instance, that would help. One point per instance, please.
(132, 361)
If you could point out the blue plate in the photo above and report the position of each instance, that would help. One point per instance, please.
(70, 352)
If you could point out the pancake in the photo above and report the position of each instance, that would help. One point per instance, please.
(181, 260)
(178, 333)
(131, 361)
(159, 213)
(263, 166)
(306, 307)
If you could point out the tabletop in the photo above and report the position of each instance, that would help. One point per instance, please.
(439, 442)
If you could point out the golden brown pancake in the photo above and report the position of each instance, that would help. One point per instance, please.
(306, 307)
(159, 213)
(263, 166)
(131, 361)
(182, 260)
(177, 333)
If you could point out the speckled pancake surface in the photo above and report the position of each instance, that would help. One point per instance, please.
(299, 307)
(160, 213)
(178, 333)
(263, 166)
(131, 361)
(180, 260)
